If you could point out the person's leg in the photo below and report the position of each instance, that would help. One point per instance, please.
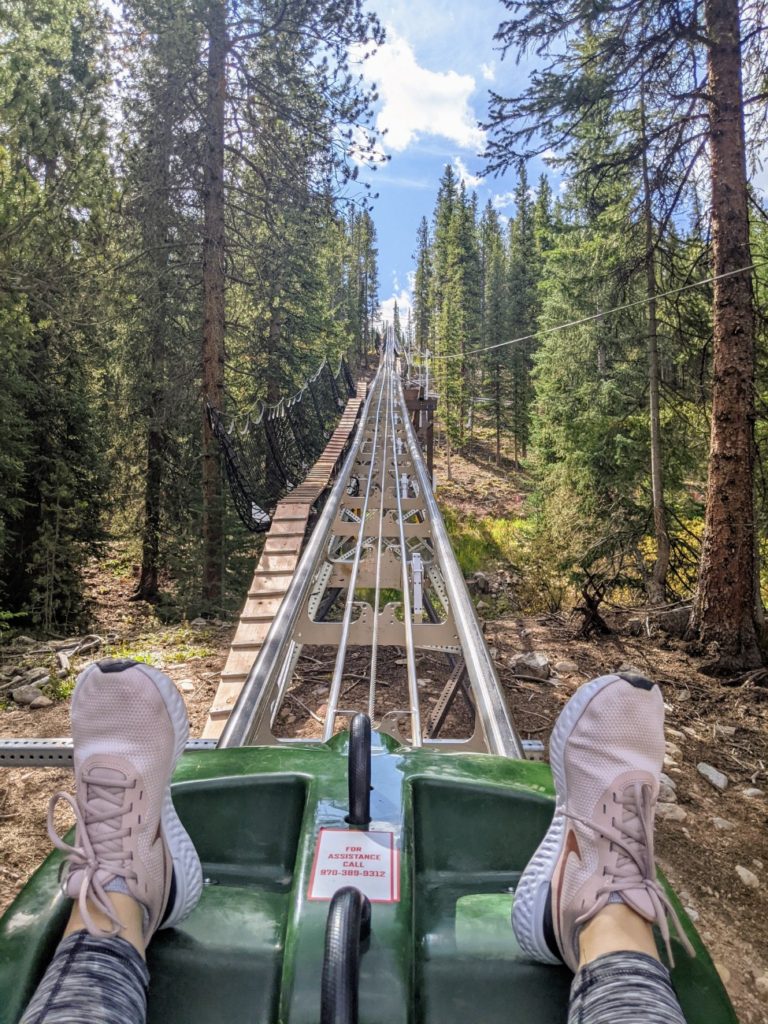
(589, 896)
(132, 868)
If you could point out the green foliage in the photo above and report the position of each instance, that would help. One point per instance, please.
(101, 302)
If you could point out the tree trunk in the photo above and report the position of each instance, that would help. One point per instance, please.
(156, 218)
(724, 609)
(213, 257)
(147, 589)
(497, 403)
(657, 582)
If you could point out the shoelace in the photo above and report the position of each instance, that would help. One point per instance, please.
(636, 867)
(91, 855)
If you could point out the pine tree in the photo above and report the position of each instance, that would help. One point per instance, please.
(422, 284)
(522, 309)
(56, 202)
(494, 320)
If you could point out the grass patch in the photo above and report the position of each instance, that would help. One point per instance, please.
(165, 647)
(482, 544)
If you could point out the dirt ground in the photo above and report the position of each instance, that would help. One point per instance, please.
(726, 727)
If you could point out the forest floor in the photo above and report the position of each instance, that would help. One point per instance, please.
(699, 847)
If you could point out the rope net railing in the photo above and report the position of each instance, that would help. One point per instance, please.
(267, 455)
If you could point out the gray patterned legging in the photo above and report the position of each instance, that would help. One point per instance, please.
(104, 981)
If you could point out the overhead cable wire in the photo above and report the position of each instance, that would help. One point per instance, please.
(595, 316)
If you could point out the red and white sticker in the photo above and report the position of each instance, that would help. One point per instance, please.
(367, 860)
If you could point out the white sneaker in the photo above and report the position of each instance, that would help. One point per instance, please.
(606, 752)
(129, 728)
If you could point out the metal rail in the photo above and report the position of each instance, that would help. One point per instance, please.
(57, 752)
(257, 690)
(374, 537)
(386, 537)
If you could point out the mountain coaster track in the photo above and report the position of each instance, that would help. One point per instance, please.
(379, 574)
(377, 580)
(349, 875)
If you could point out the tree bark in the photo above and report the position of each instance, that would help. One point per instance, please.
(213, 259)
(724, 610)
(657, 582)
(156, 217)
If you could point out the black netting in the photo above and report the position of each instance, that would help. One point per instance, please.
(285, 445)
(324, 389)
(307, 428)
(344, 378)
(247, 463)
(270, 455)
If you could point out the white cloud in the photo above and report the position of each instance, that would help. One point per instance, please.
(416, 101)
(488, 71)
(387, 308)
(396, 181)
(502, 200)
(464, 174)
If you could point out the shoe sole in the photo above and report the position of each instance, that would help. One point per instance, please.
(532, 892)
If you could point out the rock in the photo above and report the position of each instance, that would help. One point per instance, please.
(12, 683)
(669, 731)
(482, 605)
(722, 824)
(667, 794)
(25, 641)
(41, 702)
(633, 670)
(665, 780)
(693, 914)
(35, 674)
(673, 621)
(199, 623)
(634, 627)
(671, 812)
(758, 863)
(761, 984)
(670, 764)
(25, 694)
(536, 665)
(63, 662)
(481, 583)
(675, 770)
(722, 970)
(752, 793)
(725, 730)
(566, 668)
(689, 731)
(672, 749)
(186, 685)
(712, 775)
(749, 878)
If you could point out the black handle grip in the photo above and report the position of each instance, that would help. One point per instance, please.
(359, 771)
(349, 923)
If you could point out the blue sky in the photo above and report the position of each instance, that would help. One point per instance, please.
(433, 76)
